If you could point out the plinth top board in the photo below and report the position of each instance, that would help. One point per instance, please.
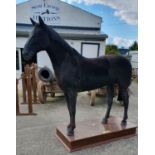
(92, 132)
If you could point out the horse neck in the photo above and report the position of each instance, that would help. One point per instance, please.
(59, 50)
(57, 54)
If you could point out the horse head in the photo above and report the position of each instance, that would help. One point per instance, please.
(38, 41)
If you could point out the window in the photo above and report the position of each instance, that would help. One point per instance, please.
(90, 50)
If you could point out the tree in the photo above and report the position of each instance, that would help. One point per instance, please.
(134, 46)
(111, 50)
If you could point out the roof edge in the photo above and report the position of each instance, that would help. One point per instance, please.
(97, 37)
(62, 27)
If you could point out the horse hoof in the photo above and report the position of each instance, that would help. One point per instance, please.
(124, 123)
(104, 121)
(70, 133)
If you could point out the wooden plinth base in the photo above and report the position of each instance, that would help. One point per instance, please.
(91, 133)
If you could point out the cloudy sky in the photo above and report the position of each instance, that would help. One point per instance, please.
(120, 18)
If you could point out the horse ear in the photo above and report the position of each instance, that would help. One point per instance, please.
(41, 22)
(33, 22)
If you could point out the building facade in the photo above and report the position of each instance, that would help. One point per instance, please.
(81, 29)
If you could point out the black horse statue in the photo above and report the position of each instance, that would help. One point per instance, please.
(76, 73)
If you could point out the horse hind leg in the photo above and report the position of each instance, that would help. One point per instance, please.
(110, 90)
(126, 103)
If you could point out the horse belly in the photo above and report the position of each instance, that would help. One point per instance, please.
(91, 83)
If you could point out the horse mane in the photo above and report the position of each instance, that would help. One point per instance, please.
(57, 38)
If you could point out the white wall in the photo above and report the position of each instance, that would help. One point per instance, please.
(20, 42)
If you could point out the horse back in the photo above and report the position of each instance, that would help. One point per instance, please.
(106, 70)
(86, 74)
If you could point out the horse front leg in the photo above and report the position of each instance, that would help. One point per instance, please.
(110, 91)
(71, 96)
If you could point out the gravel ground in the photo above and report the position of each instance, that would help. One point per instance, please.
(35, 135)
